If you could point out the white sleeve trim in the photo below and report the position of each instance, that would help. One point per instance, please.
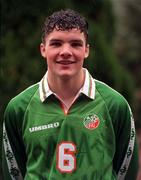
(13, 168)
(126, 162)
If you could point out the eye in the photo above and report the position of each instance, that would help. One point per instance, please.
(55, 44)
(76, 44)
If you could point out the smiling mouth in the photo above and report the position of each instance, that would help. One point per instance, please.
(65, 62)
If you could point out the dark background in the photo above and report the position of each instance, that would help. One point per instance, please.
(115, 43)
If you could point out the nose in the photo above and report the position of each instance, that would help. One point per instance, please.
(65, 51)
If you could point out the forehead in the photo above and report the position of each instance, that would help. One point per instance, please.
(72, 34)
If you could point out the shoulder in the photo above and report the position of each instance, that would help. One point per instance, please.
(116, 105)
(21, 101)
(112, 98)
(107, 92)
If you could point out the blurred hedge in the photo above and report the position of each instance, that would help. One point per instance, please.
(21, 64)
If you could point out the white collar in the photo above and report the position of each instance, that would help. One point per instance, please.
(88, 88)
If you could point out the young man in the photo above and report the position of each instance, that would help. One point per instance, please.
(69, 125)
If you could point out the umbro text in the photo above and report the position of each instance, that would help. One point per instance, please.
(43, 127)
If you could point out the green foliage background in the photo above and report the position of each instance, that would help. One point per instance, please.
(21, 64)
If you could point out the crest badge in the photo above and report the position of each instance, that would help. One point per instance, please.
(91, 122)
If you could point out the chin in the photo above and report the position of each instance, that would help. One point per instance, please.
(65, 75)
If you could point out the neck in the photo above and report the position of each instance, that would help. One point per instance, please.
(66, 88)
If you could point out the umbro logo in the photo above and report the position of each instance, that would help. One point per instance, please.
(44, 127)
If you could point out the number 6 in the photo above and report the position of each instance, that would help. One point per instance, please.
(66, 160)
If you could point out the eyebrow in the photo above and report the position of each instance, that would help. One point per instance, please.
(52, 40)
(77, 41)
(72, 41)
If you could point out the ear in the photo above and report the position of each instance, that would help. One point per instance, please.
(87, 50)
(42, 50)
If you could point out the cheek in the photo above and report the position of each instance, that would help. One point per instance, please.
(80, 56)
(50, 58)
(49, 55)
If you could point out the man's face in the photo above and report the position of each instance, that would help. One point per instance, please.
(65, 52)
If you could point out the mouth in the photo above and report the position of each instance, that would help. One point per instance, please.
(65, 62)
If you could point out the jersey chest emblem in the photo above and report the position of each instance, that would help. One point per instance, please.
(91, 122)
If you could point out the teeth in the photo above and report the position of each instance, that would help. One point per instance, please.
(65, 62)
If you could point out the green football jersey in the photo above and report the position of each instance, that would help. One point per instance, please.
(94, 140)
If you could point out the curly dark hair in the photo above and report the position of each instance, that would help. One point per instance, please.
(65, 20)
